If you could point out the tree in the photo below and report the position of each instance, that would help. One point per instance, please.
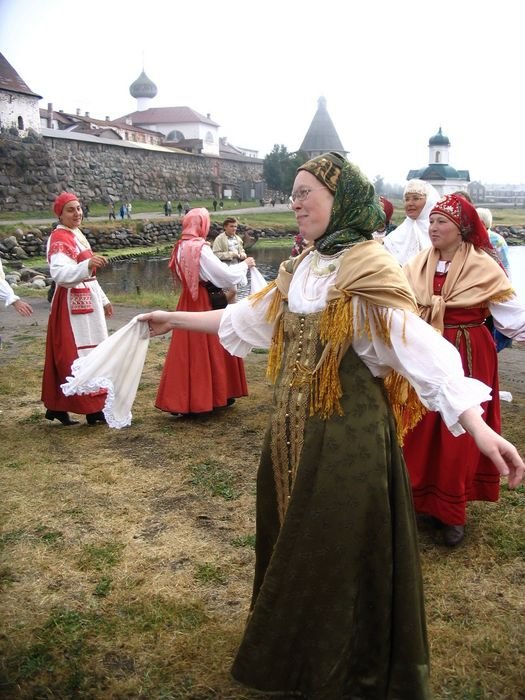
(279, 168)
(379, 184)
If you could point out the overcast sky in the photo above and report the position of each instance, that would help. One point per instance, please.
(392, 72)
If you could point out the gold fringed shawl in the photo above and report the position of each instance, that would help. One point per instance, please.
(473, 280)
(372, 273)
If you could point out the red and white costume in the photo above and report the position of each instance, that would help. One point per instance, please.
(199, 374)
(69, 334)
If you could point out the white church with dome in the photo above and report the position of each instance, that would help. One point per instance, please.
(439, 172)
(182, 127)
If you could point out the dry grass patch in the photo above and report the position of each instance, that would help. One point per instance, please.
(126, 557)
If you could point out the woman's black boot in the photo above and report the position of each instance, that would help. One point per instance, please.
(94, 418)
(62, 416)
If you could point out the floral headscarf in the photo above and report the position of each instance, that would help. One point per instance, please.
(464, 215)
(185, 259)
(356, 211)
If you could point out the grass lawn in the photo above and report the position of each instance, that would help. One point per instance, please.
(126, 557)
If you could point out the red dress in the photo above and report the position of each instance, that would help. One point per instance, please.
(62, 349)
(446, 471)
(199, 374)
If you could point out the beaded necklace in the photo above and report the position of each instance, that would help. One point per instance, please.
(318, 270)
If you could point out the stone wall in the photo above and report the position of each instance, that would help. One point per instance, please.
(32, 244)
(34, 169)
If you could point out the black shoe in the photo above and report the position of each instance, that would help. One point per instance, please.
(230, 402)
(453, 534)
(62, 416)
(94, 418)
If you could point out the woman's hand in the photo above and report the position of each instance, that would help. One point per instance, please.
(250, 262)
(501, 452)
(158, 322)
(22, 308)
(503, 455)
(97, 261)
(108, 310)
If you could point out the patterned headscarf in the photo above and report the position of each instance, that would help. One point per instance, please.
(388, 208)
(185, 259)
(356, 211)
(464, 215)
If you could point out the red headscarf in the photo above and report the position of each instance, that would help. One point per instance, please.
(62, 200)
(462, 213)
(185, 259)
(388, 208)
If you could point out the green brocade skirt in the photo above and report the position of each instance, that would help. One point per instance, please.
(337, 609)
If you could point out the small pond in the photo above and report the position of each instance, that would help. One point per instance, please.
(153, 274)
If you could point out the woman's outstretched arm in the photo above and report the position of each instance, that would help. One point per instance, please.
(161, 322)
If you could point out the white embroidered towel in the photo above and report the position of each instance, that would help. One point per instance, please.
(257, 281)
(116, 365)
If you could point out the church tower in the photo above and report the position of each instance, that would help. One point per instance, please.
(321, 137)
(438, 149)
(143, 90)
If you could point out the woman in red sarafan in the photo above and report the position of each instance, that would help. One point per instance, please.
(77, 321)
(199, 374)
(458, 283)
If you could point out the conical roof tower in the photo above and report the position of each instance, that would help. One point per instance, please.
(322, 137)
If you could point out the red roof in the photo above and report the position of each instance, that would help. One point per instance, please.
(10, 80)
(167, 115)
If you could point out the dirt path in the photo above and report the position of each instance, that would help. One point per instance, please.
(16, 330)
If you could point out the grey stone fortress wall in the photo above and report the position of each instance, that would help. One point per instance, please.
(34, 169)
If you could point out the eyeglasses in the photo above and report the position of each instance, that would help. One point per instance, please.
(302, 194)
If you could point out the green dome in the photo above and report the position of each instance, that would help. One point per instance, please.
(439, 140)
(143, 87)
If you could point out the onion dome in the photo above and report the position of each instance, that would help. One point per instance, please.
(143, 87)
(439, 139)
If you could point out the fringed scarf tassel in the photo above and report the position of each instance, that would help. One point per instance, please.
(382, 320)
(274, 314)
(326, 390)
(336, 330)
(504, 296)
(337, 321)
(404, 401)
(275, 354)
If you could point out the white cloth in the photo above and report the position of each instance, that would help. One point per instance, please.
(6, 293)
(115, 365)
(411, 237)
(429, 362)
(257, 281)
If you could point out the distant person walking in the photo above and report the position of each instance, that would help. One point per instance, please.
(111, 211)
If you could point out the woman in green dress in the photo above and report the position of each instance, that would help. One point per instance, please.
(337, 607)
